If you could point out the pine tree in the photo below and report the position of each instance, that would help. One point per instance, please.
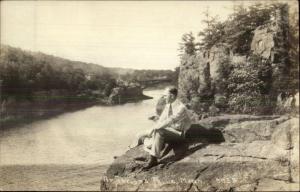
(188, 45)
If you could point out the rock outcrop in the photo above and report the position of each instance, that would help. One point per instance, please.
(123, 94)
(266, 160)
(194, 81)
(270, 41)
(200, 79)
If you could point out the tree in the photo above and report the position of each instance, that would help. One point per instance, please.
(237, 31)
(241, 24)
(213, 32)
(188, 44)
(23, 73)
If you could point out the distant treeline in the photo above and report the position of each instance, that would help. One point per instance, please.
(148, 75)
(22, 73)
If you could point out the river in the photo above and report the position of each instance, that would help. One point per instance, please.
(73, 145)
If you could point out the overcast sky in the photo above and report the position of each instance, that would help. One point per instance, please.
(140, 35)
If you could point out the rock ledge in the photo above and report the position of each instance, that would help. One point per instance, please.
(263, 156)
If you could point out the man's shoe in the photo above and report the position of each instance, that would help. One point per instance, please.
(152, 162)
(140, 159)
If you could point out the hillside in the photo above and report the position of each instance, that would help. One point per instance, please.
(57, 62)
(23, 73)
(50, 85)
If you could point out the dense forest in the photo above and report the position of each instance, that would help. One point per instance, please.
(22, 73)
(35, 85)
(253, 84)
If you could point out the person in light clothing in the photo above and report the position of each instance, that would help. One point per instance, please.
(171, 126)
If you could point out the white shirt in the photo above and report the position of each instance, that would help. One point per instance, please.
(179, 118)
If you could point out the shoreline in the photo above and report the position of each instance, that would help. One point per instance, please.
(49, 109)
(42, 107)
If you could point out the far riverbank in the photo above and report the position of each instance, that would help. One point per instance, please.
(16, 112)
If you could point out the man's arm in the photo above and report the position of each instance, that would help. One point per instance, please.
(172, 119)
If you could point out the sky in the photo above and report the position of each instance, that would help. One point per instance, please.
(131, 34)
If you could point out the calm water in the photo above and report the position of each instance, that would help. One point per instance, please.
(89, 136)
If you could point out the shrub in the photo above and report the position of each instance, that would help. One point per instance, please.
(249, 87)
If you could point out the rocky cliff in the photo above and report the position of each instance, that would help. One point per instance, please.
(222, 72)
(233, 152)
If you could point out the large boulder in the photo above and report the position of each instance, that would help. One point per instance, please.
(264, 164)
(116, 96)
(222, 121)
(263, 41)
(194, 82)
(217, 54)
(249, 131)
(211, 167)
(294, 153)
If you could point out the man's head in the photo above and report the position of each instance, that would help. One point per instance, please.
(171, 95)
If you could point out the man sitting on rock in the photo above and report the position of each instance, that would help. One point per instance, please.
(170, 127)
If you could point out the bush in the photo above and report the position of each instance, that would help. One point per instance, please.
(249, 87)
(250, 103)
(220, 101)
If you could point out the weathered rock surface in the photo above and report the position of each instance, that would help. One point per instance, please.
(193, 79)
(249, 131)
(263, 163)
(216, 55)
(263, 41)
(125, 94)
